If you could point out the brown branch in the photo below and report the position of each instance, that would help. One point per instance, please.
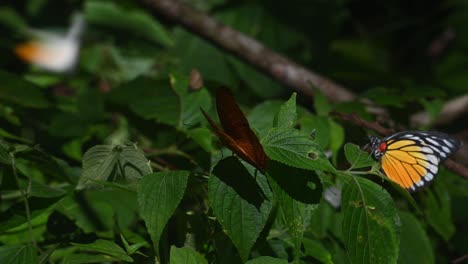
(451, 110)
(248, 49)
(356, 120)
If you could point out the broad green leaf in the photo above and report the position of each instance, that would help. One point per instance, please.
(102, 161)
(261, 116)
(150, 99)
(106, 247)
(370, 222)
(14, 89)
(287, 115)
(111, 206)
(99, 163)
(81, 258)
(292, 147)
(202, 136)
(337, 136)
(322, 219)
(319, 126)
(316, 250)
(37, 189)
(438, 211)
(133, 21)
(298, 184)
(415, 246)
(356, 157)
(159, 194)
(321, 104)
(267, 260)
(186, 255)
(18, 254)
(238, 203)
(290, 187)
(191, 103)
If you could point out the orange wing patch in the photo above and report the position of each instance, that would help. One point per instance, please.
(406, 165)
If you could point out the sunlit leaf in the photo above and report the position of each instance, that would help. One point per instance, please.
(287, 115)
(292, 147)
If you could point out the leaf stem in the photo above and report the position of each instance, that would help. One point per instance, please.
(24, 194)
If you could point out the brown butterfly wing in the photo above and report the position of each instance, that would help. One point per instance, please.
(235, 124)
(231, 143)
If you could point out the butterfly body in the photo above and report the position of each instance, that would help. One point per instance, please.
(412, 158)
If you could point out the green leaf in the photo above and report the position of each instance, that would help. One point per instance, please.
(356, 157)
(292, 147)
(316, 250)
(287, 114)
(320, 126)
(5, 157)
(18, 254)
(37, 189)
(415, 246)
(16, 90)
(150, 98)
(370, 222)
(267, 260)
(290, 192)
(186, 255)
(337, 136)
(159, 194)
(437, 204)
(133, 21)
(81, 258)
(261, 116)
(101, 162)
(106, 247)
(191, 103)
(132, 248)
(202, 136)
(321, 104)
(238, 203)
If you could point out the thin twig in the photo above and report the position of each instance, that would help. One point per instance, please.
(355, 119)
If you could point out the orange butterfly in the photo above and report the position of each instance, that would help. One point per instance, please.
(237, 134)
(412, 158)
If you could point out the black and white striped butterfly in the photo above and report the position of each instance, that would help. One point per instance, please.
(412, 158)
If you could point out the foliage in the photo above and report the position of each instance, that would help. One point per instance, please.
(113, 162)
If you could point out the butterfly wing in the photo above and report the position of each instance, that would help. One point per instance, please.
(412, 158)
(235, 124)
